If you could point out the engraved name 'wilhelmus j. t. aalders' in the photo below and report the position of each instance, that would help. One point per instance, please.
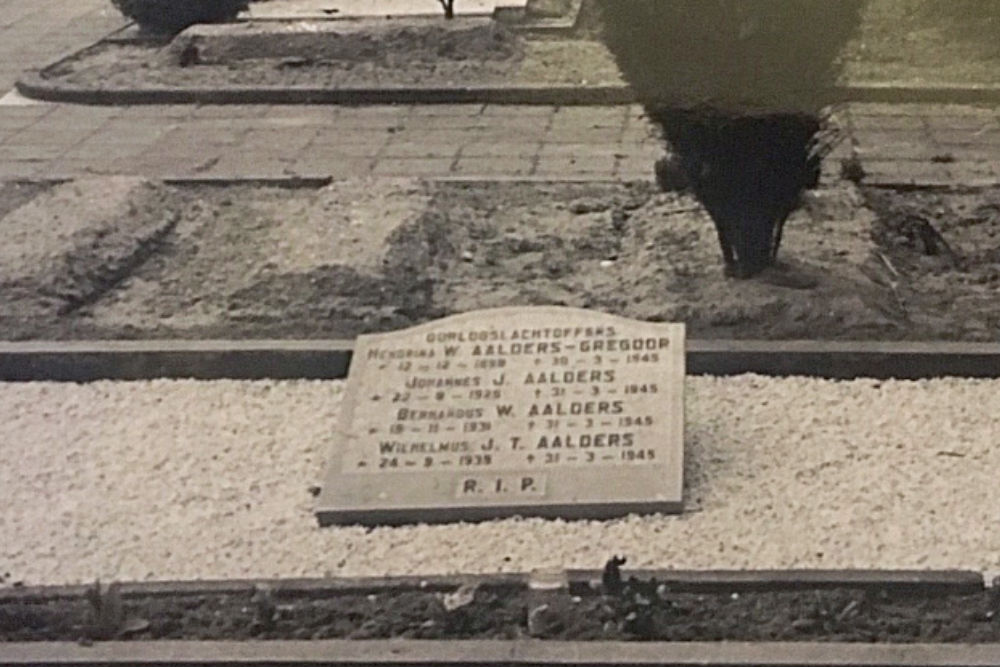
(533, 411)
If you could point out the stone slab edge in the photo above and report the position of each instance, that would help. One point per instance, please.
(34, 86)
(492, 652)
(577, 581)
(551, 26)
(87, 361)
(516, 22)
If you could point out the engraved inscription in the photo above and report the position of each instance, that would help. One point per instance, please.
(501, 485)
(504, 398)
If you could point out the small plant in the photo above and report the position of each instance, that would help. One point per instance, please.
(108, 619)
(852, 170)
(171, 16)
(449, 8)
(611, 578)
(264, 607)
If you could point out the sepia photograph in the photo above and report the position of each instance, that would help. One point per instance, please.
(492, 333)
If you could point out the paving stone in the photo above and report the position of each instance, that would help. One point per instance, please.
(335, 151)
(433, 110)
(589, 117)
(337, 167)
(419, 150)
(340, 137)
(500, 133)
(988, 136)
(31, 152)
(967, 152)
(971, 123)
(75, 167)
(244, 165)
(969, 172)
(576, 165)
(954, 110)
(51, 135)
(580, 150)
(445, 135)
(495, 166)
(27, 114)
(86, 118)
(231, 111)
(19, 168)
(866, 122)
(584, 135)
(275, 143)
(914, 149)
(126, 133)
(156, 113)
(413, 167)
(422, 123)
(517, 110)
(635, 168)
(506, 149)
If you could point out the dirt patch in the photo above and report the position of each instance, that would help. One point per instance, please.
(389, 42)
(14, 195)
(274, 260)
(63, 248)
(364, 256)
(643, 611)
(941, 254)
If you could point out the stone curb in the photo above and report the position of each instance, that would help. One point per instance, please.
(35, 86)
(455, 653)
(578, 581)
(88, 361)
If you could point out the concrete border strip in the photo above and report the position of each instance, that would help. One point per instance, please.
(85, 361)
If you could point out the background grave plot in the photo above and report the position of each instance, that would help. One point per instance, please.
(366, 256)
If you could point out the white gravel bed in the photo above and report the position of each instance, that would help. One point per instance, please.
(186, 480)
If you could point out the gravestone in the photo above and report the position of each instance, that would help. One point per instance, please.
(532, 411)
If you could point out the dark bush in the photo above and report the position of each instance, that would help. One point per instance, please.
(734, 55)
(172, 16)
(738, 87)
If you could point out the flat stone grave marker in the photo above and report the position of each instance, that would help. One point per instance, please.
(350, 9)
(532, 411)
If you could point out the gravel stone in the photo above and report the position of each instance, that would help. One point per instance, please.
(201, 480)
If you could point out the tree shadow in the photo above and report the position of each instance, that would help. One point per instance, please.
(739, 88)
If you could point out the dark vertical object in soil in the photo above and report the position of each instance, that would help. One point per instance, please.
(449, 8)
(738, 88)
(611, 578)
(748, 172)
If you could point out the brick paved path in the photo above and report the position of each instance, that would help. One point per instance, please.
(930, 145)
(937, 145)
(910, 144)
(228, 141)
(34, 32)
